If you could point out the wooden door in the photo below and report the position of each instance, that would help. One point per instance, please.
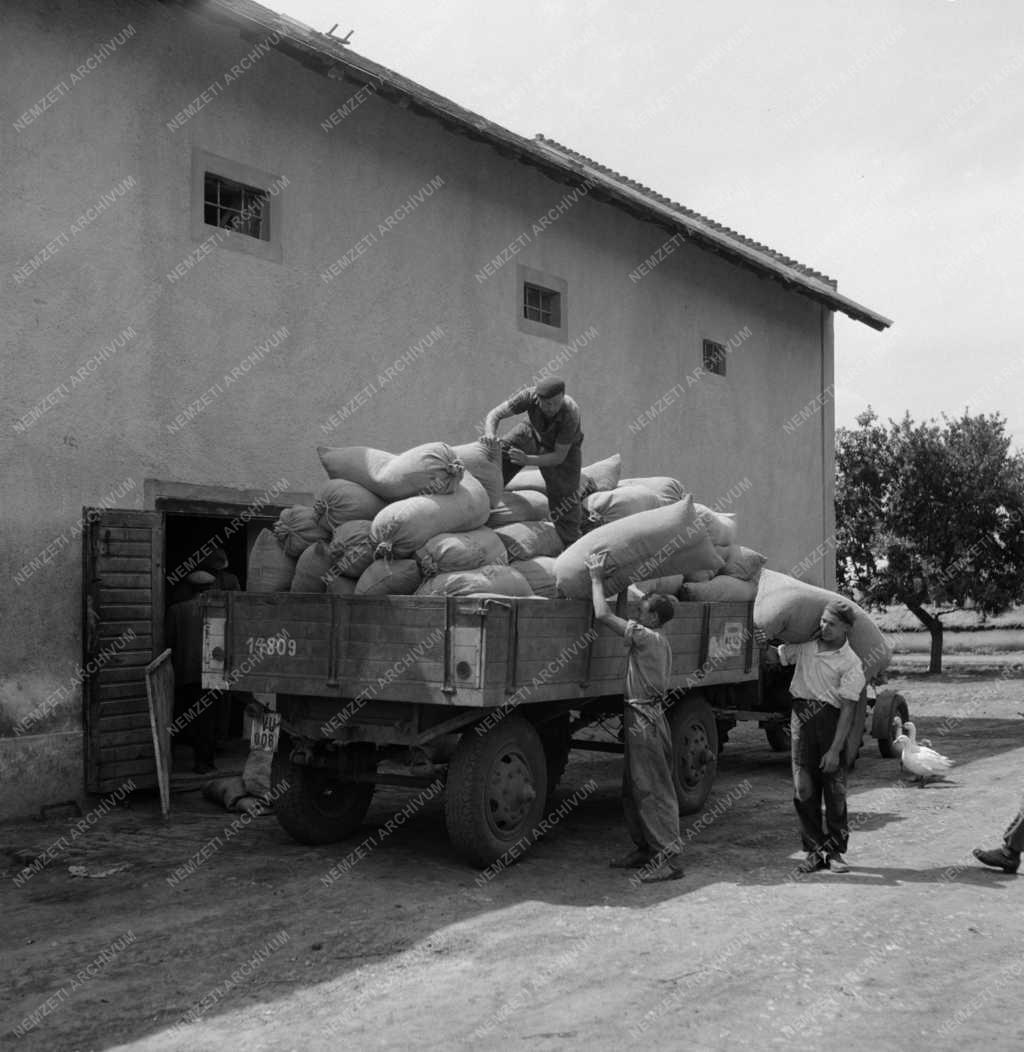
(122, 631)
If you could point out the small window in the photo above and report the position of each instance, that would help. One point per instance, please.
(543, 305)
(714, 358)
(235, 206)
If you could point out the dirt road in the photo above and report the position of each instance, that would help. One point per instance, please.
(386, 941)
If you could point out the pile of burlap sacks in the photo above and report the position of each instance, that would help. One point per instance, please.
(436, 520)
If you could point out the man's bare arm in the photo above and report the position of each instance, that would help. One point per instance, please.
(602, 611)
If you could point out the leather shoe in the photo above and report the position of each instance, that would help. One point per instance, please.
(999, 858)
(663, 872)
(838, 864)
(812, 863)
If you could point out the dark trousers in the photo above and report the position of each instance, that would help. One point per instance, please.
(813, 724)
(562, 480)
(648, 791)
(195, 711)
(1013, 838)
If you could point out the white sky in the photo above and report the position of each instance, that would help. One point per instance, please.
(879, 141)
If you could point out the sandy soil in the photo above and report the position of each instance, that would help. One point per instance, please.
(917, 947)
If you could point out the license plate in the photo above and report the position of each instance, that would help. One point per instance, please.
(264, 732)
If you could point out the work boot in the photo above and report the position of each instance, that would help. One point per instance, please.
(999, 858)
(812, 863)
(636, 859)
(837, 863)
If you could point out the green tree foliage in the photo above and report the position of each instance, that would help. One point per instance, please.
(930, 515)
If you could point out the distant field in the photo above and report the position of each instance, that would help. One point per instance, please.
(900, 619)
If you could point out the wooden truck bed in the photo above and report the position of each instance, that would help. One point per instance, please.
(466, 651)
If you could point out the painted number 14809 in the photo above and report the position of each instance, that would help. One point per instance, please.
(269, 645)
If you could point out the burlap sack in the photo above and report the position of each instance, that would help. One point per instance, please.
(448, 552)
(614, 504)
(661, 542)
(351, 548)
(408, 524)
(430, 468)
(789, 610)
(341, 500)
(539, 574)
(297, 528)
(482, 459)
(487, 580)
(528, 540)
(270, 569)
(528, 505)
(669, 490)
(390, 577)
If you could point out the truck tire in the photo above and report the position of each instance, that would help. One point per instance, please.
(557, 741)
(317, 808)
(497, 788)
(694, 751)
(888, 704)
(779, 735)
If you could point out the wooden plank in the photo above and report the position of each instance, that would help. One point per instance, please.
(135, 564)
(120, 612)
(132, 720)
(122, 534)
(124, 596)
(126, 549)
(125, 579)
(117, 693)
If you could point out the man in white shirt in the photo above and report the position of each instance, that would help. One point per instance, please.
(825, 688)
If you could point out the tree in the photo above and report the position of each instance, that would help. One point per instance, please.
(930, 515)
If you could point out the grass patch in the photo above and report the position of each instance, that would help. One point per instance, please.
(900, 619)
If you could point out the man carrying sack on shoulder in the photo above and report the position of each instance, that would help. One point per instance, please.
(551, 439)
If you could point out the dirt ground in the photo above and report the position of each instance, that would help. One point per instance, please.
(917, 947)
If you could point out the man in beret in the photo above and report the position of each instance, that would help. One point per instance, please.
(551, 439)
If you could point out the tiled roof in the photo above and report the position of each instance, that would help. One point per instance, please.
(685, 212)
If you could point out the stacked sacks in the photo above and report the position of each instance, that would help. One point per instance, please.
(528, 540)
(351, 548)
(598, 477)
(482, 459)
(430, 468)
(496, 579)
(668, 490)
(389, 577)
(667, 540)
(341, 500)
(270, 568)
(448, 552)
(604, 506)
(526, 505)
(539, 574)
(787, 609)
(720, 525)
(408, 524)
(297, 528)
(735, 582)
(313, 569)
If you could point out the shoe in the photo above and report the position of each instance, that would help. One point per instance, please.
(636, 859)
(812, 863)
(999, 858)
(838, 864)
(664, 872)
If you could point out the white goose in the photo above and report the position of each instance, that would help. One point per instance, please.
(922, 761)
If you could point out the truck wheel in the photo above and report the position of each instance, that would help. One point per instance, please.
(557, 741)
(497, 787)
(317, 808)
(694, 751)
(779, 735)
(892, 705)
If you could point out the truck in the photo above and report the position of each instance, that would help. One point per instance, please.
(484, 694)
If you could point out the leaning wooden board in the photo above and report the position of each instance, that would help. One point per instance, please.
(466, 651)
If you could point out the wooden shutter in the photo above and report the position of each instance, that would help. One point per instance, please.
(122, 631)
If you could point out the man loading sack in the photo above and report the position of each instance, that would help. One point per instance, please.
(551, 439)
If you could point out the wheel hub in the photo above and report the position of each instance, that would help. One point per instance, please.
(510, 791)
(694, 755)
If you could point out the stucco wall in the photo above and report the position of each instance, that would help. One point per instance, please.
(724, 438)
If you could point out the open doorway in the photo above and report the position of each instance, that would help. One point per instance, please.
(198, 545)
